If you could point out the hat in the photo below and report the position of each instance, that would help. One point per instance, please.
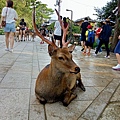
(89, 27)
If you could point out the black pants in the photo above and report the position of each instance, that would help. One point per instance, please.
(106, 46)
(56, 37)
(60, 43)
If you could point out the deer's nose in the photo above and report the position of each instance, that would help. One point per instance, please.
(77, 69)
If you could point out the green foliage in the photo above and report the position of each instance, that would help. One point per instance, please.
(51, 26)
(107, 10)
(1, 32)
(24, 10)
(75, 29)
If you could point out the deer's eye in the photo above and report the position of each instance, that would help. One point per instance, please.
(61, 58)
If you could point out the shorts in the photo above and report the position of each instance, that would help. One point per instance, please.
(83, 38)
(117, 48)
(56, 37)
(89, 44)
(22, 29)
(10, 27)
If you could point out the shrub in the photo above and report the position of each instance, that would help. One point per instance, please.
(1, 32)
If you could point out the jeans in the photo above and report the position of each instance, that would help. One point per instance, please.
(98, 41)
(106, 46)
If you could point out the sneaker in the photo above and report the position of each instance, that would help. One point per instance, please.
(6, 49)
(82, 49)
(100, 52)
(107, 57)
(117, 67)
(95, 54)
(11, 50)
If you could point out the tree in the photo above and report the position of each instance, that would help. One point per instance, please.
(117, 29)
(42, 13)
(107, 10)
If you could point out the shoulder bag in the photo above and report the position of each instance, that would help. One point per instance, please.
(4, 21)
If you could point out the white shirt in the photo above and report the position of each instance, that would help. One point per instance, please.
(57, 27)
(11, 14)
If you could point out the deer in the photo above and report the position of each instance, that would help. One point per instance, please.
(58, 80)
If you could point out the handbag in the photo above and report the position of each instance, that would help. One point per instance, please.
(4, 21)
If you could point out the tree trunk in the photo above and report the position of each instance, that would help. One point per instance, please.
(117, 29)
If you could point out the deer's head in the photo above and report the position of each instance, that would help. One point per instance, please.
(61, 57)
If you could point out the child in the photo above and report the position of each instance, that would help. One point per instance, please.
(90, 37)
(98, 31)
(117, 51)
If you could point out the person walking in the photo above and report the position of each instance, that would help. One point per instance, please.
(22, 26)
(10, 16)
(58, 33)
(90, 38)
(50, 34)
(65, 24)
(104, 37)
(98, 31)
(83, 31)
(117, 52)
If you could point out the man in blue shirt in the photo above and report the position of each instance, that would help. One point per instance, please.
(104, 37)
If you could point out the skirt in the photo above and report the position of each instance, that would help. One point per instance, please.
(117, 48)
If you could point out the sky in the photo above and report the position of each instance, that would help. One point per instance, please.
(80, 8)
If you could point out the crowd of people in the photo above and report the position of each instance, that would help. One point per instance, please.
(88, 33)
(102, 34)
(24, 33)
(10, 15)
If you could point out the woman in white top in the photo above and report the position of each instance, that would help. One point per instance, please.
(58, 33)
(10, 16)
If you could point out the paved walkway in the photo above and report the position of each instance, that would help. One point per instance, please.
(18, 73)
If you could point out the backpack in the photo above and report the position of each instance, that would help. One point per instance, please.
(91, 36)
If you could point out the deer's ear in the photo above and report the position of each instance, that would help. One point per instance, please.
(51, 49)
(71, 48)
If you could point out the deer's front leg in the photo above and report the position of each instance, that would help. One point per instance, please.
(79, 82)
(68, 97)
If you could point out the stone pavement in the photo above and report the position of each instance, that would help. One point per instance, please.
(18, 73)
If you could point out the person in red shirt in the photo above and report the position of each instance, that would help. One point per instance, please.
(98, 31)
(65, 23)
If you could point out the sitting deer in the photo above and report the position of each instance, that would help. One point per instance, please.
(57, 80)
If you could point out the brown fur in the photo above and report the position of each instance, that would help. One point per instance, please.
(57, 80)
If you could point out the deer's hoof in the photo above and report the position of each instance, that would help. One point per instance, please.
(43, 102)
(67, 100)
(65, 104)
